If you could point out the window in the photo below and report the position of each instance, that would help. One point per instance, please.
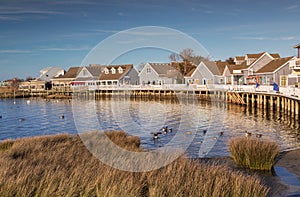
(113, 71)
(84, 73)
(283, 80)
(106, 71)
(120, 70)
(148, 70)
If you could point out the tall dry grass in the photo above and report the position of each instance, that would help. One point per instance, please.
(61, 165)
(254, 153)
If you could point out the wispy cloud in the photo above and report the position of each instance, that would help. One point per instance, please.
(14, 51)
(266, 38)
(293, 8)
(11, 18)
(85, 48)
(18, 13)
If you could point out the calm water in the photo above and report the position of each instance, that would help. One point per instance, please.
(23, 118)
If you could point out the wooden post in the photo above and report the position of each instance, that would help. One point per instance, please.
(278, 103)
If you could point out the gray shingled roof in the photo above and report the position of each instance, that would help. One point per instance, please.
(164, 69)
(274, 64)
(212, 66)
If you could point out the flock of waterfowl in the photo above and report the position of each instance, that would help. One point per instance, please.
(23, 119)
(163, 130)
(248, 134)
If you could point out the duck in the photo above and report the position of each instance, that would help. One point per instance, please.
(62, 117)
(204, 131)
(258, 135)
(170, 130)
(21, 119)
(221, 133)
(165, 129)
(28, 101)
(155, 135)
(1, 116)
(248, 134)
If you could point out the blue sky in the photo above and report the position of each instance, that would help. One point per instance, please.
(35, 34)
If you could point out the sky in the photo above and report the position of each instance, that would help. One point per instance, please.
(35, 34)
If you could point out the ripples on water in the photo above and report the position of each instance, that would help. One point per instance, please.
(188, 119)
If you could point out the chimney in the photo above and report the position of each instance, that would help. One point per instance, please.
(298, 47)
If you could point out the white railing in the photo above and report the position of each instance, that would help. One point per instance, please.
(286, 91)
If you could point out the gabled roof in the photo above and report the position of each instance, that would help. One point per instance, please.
(240, 58)
(95, 70)
(274, 65)
(275, 55)
(162, 69)
(117, 76)
(221, 66)
(48, 73)
(212, 66)
(71, 73)
(254, 56)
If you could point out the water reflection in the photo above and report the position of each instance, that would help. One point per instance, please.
(142, 116)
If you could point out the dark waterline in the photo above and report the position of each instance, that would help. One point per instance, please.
(34, 117)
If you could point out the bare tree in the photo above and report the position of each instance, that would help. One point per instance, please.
(186, 60)
(174, 57)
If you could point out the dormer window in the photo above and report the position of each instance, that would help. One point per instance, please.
(113, 71)
(120, 70)
(84, 73)
(106, 71)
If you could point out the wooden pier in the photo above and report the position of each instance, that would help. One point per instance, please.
(286, 104)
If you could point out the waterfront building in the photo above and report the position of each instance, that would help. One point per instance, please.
(243, 72)
(294, 77)
(119, 75)
(207, 72)
(63, 83)
(87, 75)
(159, 74)
(43, 82)
(95, 76)
(275, 71)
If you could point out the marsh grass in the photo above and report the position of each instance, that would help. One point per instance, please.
(6, 144)
(253, 153)
(61, 165)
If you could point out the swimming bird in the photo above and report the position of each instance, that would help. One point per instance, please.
(155, 135)
(258, 135)
(28, 101)
(248, 134)
(221, 133)
(204, 131)
(170, 130)
(21, 119)
(0, 116)
(165, 129)
(62, 117)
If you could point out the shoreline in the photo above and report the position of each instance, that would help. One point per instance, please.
(289, 160)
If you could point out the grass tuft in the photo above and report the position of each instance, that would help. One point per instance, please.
(253, 153)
